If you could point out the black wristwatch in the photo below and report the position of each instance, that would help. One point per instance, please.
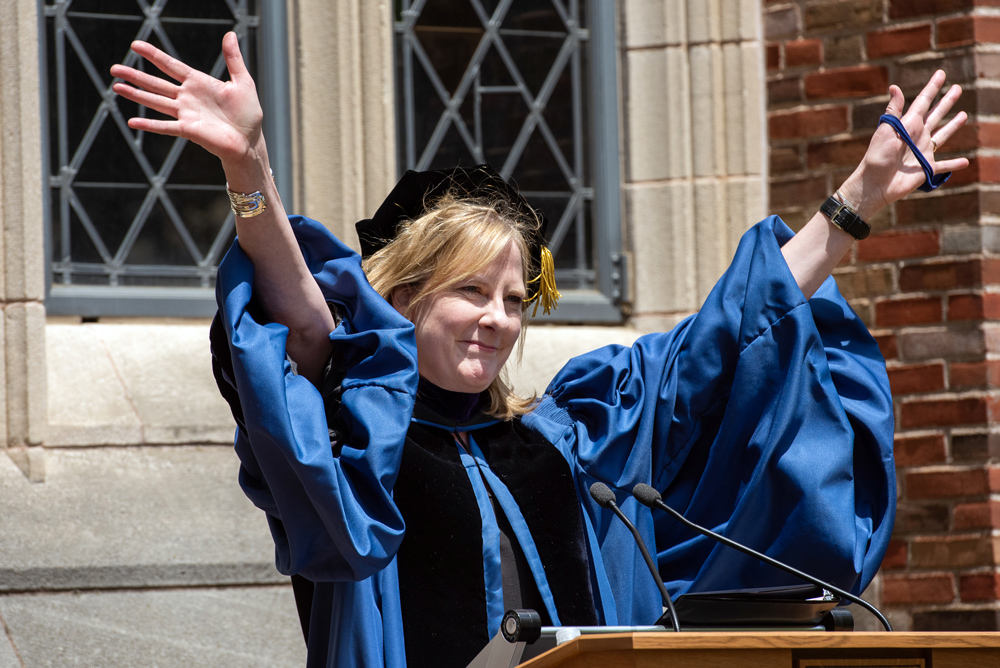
(845, 217)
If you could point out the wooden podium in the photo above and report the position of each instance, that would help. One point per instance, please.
(741, 649)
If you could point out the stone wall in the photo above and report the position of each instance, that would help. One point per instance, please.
(926, 281)
(693, 138)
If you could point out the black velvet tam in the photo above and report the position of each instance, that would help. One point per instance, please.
(418, 192)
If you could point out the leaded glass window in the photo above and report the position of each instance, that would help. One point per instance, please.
(523, 85)
(138, 222)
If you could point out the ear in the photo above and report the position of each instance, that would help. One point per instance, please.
(400, 297)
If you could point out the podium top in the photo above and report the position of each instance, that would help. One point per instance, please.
(719, 643)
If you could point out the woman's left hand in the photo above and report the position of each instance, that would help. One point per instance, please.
(889, 171)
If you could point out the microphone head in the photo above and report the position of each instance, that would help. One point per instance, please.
(602, 494)
(645, 494)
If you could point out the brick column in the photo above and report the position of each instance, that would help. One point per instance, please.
(927, 282)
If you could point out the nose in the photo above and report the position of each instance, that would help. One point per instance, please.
(494, 313)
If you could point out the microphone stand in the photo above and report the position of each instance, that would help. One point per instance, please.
(606, 499)
(650, 498)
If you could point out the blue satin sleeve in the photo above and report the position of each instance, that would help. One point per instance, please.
(765, 416)
(331, 512)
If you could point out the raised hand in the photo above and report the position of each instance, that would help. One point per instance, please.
(889, 171)
(224, 117)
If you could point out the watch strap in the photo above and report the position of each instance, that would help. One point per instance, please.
(845, 217)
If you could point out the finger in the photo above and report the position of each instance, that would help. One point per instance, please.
(145, 81)
(166, 63)
(948, 130)
(170, 128)
(164, 105)
(896, 101)
(952, 165)
(922, 102)
(942, 108)
(234, 59)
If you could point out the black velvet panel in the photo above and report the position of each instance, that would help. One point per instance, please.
(222, 368)
(541, 482)
(442, 589)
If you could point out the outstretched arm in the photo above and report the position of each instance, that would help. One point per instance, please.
(225, 119)
(888, 172)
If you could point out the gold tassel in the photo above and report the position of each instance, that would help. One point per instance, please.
(547, 294)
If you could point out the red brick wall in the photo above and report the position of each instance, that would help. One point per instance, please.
(928, 280)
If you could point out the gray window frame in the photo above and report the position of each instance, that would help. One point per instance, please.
(150, 301)
(604, 303)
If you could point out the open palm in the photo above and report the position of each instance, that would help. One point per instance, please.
(224, 117)
(889, 165)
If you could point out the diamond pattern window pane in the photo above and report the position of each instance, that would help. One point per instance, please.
(129, 208)
(504, 82)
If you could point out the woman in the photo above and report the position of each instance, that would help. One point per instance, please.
(766, 416)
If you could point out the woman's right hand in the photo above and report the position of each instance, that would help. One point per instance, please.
(224, 117)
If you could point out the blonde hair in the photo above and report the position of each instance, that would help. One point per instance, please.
(453, 240)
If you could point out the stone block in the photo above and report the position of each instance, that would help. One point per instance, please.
(24, 353)
(88, 402)
(754, 111)
(548, 348)
(225, 628)
(22, 255)
(735, 127)
(659, 115)
(704, 21)
(663, 216)
(132, 517)
(711, 249)
(707, 111)
(751, 20)
(730, 16)
(159, 379)
(654, 23)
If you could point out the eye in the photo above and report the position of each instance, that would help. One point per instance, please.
(516, 300)
(471, 289)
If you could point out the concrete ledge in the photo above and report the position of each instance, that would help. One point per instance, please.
(133, 384)
(224, 628)
(20, 580)
(131, 516)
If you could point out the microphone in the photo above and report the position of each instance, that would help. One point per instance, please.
(650, 498)
(606, 499)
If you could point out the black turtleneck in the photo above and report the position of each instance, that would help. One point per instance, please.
(457, 406)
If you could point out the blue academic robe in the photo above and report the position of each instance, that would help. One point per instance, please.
(765, 416)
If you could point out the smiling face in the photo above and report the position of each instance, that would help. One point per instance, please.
(466, 332)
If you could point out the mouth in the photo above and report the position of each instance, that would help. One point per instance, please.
(481, 346)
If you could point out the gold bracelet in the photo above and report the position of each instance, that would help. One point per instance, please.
(246, 205)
